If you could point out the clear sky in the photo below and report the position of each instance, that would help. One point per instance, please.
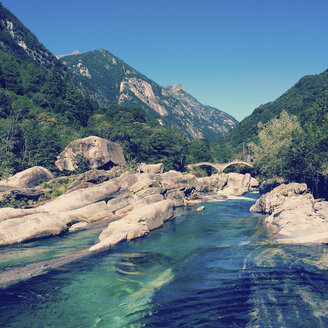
(230, 54)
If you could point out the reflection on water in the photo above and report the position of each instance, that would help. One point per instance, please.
(215, 268)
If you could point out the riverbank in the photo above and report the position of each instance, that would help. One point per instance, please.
(216, 267)
(294, 216)
(130, 206)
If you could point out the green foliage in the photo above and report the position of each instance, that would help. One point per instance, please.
(293, 153)
(15, 202)
(300, 100)
(82, 164)
(275, 138)
(40, 112)
(142, 138)
(200, 151)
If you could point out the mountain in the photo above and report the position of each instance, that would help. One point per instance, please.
(299, 100)
(18, 41)
(115, 81)
(41, 111)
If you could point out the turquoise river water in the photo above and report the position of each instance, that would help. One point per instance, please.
(215, 268)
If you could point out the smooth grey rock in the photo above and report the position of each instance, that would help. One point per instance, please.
(268, 202)
(87, 213)
(237, 184)
(120, 202)
(98, 151)
(254, 183)
(78, 226)
(177, 196)
(151, 168)
(29, 227)
(295, 216)
(149, 191)
(29, 178)
(299, 220)
(213, 183)
(176, 180)
(83, 197)
(147, 201)
(136, 224)
(27, 193)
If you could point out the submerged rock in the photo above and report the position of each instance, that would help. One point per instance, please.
(200, 208)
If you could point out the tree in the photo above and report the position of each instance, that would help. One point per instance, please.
(274, 140)
(199, 151)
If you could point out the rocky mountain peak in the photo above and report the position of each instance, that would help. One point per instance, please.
(76, 52)
(177, 88)
(115, 81)
(18, 41)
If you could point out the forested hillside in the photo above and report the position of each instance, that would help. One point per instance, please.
(41, 111)
(110, 79)
(18, 41)
(300, 100)
(287, 139)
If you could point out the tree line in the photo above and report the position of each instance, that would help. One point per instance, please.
(41, 112)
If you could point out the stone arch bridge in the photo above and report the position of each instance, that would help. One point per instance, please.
(219, 166)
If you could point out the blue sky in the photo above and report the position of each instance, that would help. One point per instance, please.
(231, 54)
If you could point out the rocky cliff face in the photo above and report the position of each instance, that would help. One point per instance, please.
(17, 40)
(112, 80)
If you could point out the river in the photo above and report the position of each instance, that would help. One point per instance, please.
(214, 268)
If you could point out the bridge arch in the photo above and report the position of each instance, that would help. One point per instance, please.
(203, 164)
(224, 166)
(219, 166)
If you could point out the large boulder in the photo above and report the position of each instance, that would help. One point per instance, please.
(95, 152)
(271, 200)
(295, 216)
(29, 227)
(254, 183)
(136, 224)
(151, 168)
(213, 183)
(237, 184)
(299, 219)
(176, 180)
(29, 178)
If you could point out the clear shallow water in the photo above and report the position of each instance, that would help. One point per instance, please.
(214, 268)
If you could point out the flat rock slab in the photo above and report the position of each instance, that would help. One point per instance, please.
(136, 224)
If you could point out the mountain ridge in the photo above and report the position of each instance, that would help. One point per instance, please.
(299, 100)
(115, 81)
(20, 42)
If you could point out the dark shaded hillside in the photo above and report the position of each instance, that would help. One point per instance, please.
(299, 100)
(110, 80)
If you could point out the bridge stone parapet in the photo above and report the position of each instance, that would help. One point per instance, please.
(219, 166)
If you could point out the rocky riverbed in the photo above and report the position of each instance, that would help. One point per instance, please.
(294, 215)
(139, 201)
